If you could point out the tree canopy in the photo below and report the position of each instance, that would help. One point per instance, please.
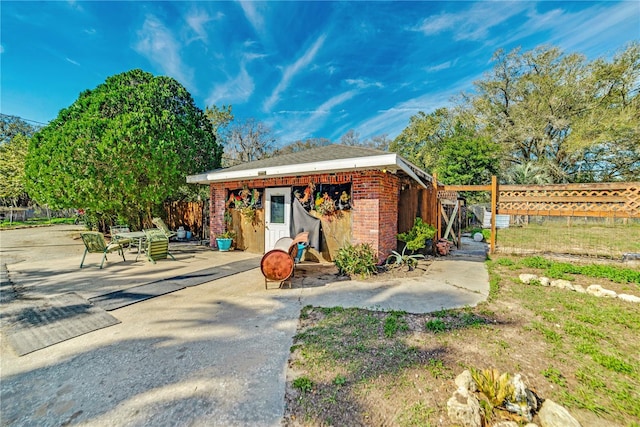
(549, 113)
(121, 149)
(14, 142)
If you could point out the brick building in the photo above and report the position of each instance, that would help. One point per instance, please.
(360, 195)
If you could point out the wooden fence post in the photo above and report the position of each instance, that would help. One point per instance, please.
(494, 211)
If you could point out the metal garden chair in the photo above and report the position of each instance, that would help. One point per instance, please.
(94, 242)
(157, 245)
(158, 222)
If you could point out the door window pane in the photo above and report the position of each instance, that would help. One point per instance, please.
(277, 209)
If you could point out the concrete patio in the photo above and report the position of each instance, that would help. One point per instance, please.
(211, 354)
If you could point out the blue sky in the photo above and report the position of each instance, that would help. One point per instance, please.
(305, 69)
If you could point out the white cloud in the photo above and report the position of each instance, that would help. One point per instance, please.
(72, 61)
(393, 120)
(197, 21)
(1, 48)
(363, 84)
(291, 71)
(591, 28)
(252, 15)
(237, 90)
(159, 46)
(303, 124)
(473, 23)
(439, 67)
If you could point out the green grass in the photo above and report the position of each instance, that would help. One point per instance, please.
(577, 237)
(594, 335)
(587, 348)
(35, 222)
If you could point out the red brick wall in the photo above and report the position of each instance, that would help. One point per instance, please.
(216, 211)
(375, 210)
(374, 204)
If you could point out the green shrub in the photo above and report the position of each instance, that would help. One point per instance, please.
(417, 237)
(303, 384)
(358, 259)
(436, 326)
(401, 259)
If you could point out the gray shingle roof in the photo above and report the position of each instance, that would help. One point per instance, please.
(330, 158)
(313, 155)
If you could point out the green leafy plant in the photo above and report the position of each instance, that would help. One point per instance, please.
(357, 259)
(496, 387)
(229, 234)
(340, 380)
(417, 237)
(436, 326)
(394, 322)
(400, 260)
(303, 384)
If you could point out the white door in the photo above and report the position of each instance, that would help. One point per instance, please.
(277, 217)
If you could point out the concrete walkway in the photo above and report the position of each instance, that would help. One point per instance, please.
(212, 354)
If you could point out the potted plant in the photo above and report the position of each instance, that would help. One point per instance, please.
(224, 240)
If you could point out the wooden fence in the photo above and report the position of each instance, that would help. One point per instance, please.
(601, 200)
(186, 214)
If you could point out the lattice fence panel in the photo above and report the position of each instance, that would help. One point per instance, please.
(590, 200)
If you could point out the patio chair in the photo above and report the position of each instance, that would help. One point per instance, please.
(158, 222)
(123, 241)
(157, 245)
(94, 242)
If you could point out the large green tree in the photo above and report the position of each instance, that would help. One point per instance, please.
(121, 149)
(14, 142)
(578, 118)
(421, 141)
(12, 158)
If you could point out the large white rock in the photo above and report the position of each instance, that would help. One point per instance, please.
(466, 381)
(579, 289)
(599, 291)
(553, 415)
(527, 278)
(629, 298)
(464, 409)
(545, 281)
(562, 284)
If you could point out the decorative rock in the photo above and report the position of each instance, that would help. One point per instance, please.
(506, 424)
(562, 284)
(553, 415)
(544, 281)
(478, 237)
(579, 289)
(599, 291)
(463, 409)
(531, 425)
(465, 381)
(629, 298)
(527, 278)
(518, 403)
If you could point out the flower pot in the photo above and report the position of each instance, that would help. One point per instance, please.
(224, 244)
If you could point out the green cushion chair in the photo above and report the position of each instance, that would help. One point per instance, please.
(114, 230)
(157, 245)
(94, 242)
(158, 222)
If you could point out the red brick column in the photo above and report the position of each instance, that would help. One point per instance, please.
(216, 212)
(375, 210)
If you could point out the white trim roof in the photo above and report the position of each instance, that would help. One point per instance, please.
(327, 159)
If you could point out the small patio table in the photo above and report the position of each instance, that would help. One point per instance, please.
(138, 236)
